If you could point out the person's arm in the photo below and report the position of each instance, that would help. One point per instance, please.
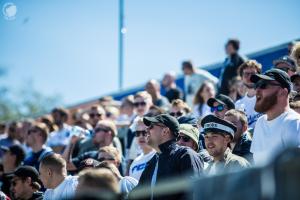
(69, 149)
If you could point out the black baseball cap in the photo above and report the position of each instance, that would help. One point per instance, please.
(274, 75)
(213, 124)
(15, 150)
(222, 99)
(27, 171)
(287, 60)
(88, 163)
(165, 119)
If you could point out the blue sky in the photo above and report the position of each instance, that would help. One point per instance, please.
(71, 47)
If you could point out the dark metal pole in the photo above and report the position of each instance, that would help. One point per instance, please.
(122, 31)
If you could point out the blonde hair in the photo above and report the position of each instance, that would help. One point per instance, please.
(110, 125)
(296, 52)
(249, 64)
(181, 105)
(145, 95)
(113, 152)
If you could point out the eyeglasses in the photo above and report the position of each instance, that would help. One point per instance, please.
(184, 138)
(138, 133)
(264, 84)
(92, 115)
(106, 159)
(137, 104)
(101, 129)
(218, 108)
(176, 114)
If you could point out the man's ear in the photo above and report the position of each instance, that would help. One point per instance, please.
(228, 138)
(49, 172)
(245, 128)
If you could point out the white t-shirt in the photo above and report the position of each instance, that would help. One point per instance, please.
(205, 110)
(271, 137)
(127, 183)
(193, 82)
(138, 165)
(60, 138)
(247, 105)
(65, 190)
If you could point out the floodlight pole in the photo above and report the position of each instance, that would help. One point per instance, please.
(122, 31)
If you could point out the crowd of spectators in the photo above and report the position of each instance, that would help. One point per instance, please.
(114, 149)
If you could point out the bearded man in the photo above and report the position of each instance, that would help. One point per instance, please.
(279, 127)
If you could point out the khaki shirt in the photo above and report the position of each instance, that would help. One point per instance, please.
(229, 163)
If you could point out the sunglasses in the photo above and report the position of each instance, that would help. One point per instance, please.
(176, 114)
(142, 133)
(264, 84)
(95, 115)
(137, 104)
(218, 108)
(247, 74)
(105, 159)
(184, 138)
(101, 129)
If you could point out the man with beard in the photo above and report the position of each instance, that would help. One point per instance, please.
(279, 127)
(247, 103)
(218, 135)
(171, 159)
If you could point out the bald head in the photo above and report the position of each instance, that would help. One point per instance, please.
(153, 87)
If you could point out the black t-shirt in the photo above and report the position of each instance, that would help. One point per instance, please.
(174, 93)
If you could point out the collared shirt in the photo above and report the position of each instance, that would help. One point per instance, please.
(229, 163)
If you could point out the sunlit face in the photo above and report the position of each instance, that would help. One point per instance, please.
(20, 188)
(95, 116)
(246, 75)
(141, 106)
(142, 135)
(208, 92)
(100, 134)
(216, 144)
(266, 96)
(220, 113)
(184, 140)
(176, 111)
(155, 134)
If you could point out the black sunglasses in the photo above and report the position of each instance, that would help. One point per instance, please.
(137, 104)
(92, 115)
(264, 84)
(184, 138)
(138, 133)
(176, 114)
(101, 129)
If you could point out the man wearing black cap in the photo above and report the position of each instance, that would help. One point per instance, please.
(287, 64)
(279, 127)
(12, 159)
(218, 135)
(220, 105)
(26, 184)
(171, 160)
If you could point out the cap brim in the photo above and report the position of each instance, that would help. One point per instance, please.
(211, 102)
(149, 120)
(256, 77)
(276, 62)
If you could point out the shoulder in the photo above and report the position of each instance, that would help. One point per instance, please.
(237, 160)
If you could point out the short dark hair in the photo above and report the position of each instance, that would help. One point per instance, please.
(234, 42)
(55, 162)
(63, 112)
(187, 64)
